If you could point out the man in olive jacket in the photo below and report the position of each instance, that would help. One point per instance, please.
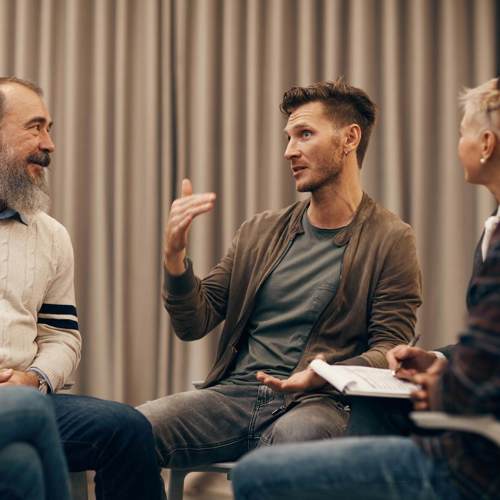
(335, 275)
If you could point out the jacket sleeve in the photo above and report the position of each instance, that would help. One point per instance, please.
(58, 337)
(197, 306)
(471, 381)
(394, 304)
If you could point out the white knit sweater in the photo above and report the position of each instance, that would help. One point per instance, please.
(38, 319)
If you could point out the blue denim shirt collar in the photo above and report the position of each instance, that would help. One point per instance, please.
(8, 213)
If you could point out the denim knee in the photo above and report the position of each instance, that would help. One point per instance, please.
(26, 399)
(292, 431)
(124, 422)
(22, 472)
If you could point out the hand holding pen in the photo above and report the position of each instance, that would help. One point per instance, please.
(404, 354)
(408, 360)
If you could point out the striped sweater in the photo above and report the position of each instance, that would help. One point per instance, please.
(38, 319)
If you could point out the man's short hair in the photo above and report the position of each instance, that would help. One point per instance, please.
(344, 103)
(5, 80)
(483, 103)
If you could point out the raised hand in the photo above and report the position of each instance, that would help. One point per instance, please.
(182, 213)
(407, 361)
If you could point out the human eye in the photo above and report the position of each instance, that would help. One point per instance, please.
(35, 128)
(306, 134)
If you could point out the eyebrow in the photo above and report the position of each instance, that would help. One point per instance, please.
(39, 119)
(296, 127)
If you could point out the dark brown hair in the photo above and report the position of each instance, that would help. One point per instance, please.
(5, 80)
(344, 104)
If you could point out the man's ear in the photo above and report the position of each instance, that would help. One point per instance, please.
(489, 142)
(352, 137)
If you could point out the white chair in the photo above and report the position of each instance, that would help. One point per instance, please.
(177, 476)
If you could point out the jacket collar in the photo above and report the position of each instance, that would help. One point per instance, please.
(344, 235)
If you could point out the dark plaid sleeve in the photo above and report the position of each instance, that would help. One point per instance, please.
(471, 383)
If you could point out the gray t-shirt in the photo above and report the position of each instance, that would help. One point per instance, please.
(288, 304)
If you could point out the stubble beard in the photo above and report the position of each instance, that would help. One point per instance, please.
(19, 190)
(326, 174)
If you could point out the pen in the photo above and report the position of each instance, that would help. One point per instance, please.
(412, 343)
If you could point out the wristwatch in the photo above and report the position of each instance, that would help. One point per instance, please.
(43, 387)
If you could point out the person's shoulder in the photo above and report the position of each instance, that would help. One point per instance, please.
(47, 224)
(384, 219)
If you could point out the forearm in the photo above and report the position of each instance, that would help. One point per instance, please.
(195, 307)
(58, 355)
(374, 357)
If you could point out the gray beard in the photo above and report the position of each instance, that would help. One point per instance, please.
(18, 190)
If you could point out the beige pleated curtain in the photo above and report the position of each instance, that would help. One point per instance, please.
(145, 92)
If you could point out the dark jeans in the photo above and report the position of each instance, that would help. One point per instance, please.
(223, 422)
(114, 440)
(32, 464)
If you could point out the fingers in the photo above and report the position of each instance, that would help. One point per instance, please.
(186, 188)
(398, 354)
(420, 399)
(182, 213)
(274, 383)
(6, 374)
(405, 374)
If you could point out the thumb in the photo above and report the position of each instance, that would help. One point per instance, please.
(186, 188)
(6, 374)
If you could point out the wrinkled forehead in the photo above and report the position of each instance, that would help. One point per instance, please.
(22, 104)
(313, 113)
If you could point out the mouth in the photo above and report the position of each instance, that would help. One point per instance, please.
(297, 170)
(39, 160)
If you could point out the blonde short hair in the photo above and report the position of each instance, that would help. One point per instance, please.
(483, 103)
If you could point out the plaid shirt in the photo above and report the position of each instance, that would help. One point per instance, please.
(471, 386)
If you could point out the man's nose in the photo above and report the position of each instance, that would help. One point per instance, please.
(46, 143)
(291, 150)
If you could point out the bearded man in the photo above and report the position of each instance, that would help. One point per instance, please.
(40, 342)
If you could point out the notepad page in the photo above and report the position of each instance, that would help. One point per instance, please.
(362, 379)
(377, 379)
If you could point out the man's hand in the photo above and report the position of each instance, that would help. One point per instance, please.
(426, 398)
(182, 213)
(305, 380)
(16, 377)
(408, 361)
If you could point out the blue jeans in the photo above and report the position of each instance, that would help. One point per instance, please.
(223, 422)
(114, 440)
(377, 468)
(32, 464)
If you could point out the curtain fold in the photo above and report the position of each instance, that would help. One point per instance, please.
(144, 93)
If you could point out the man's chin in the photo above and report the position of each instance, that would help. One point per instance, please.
(303, 187)
(35, 171)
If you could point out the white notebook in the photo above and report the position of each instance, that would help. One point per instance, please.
(363, 380)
